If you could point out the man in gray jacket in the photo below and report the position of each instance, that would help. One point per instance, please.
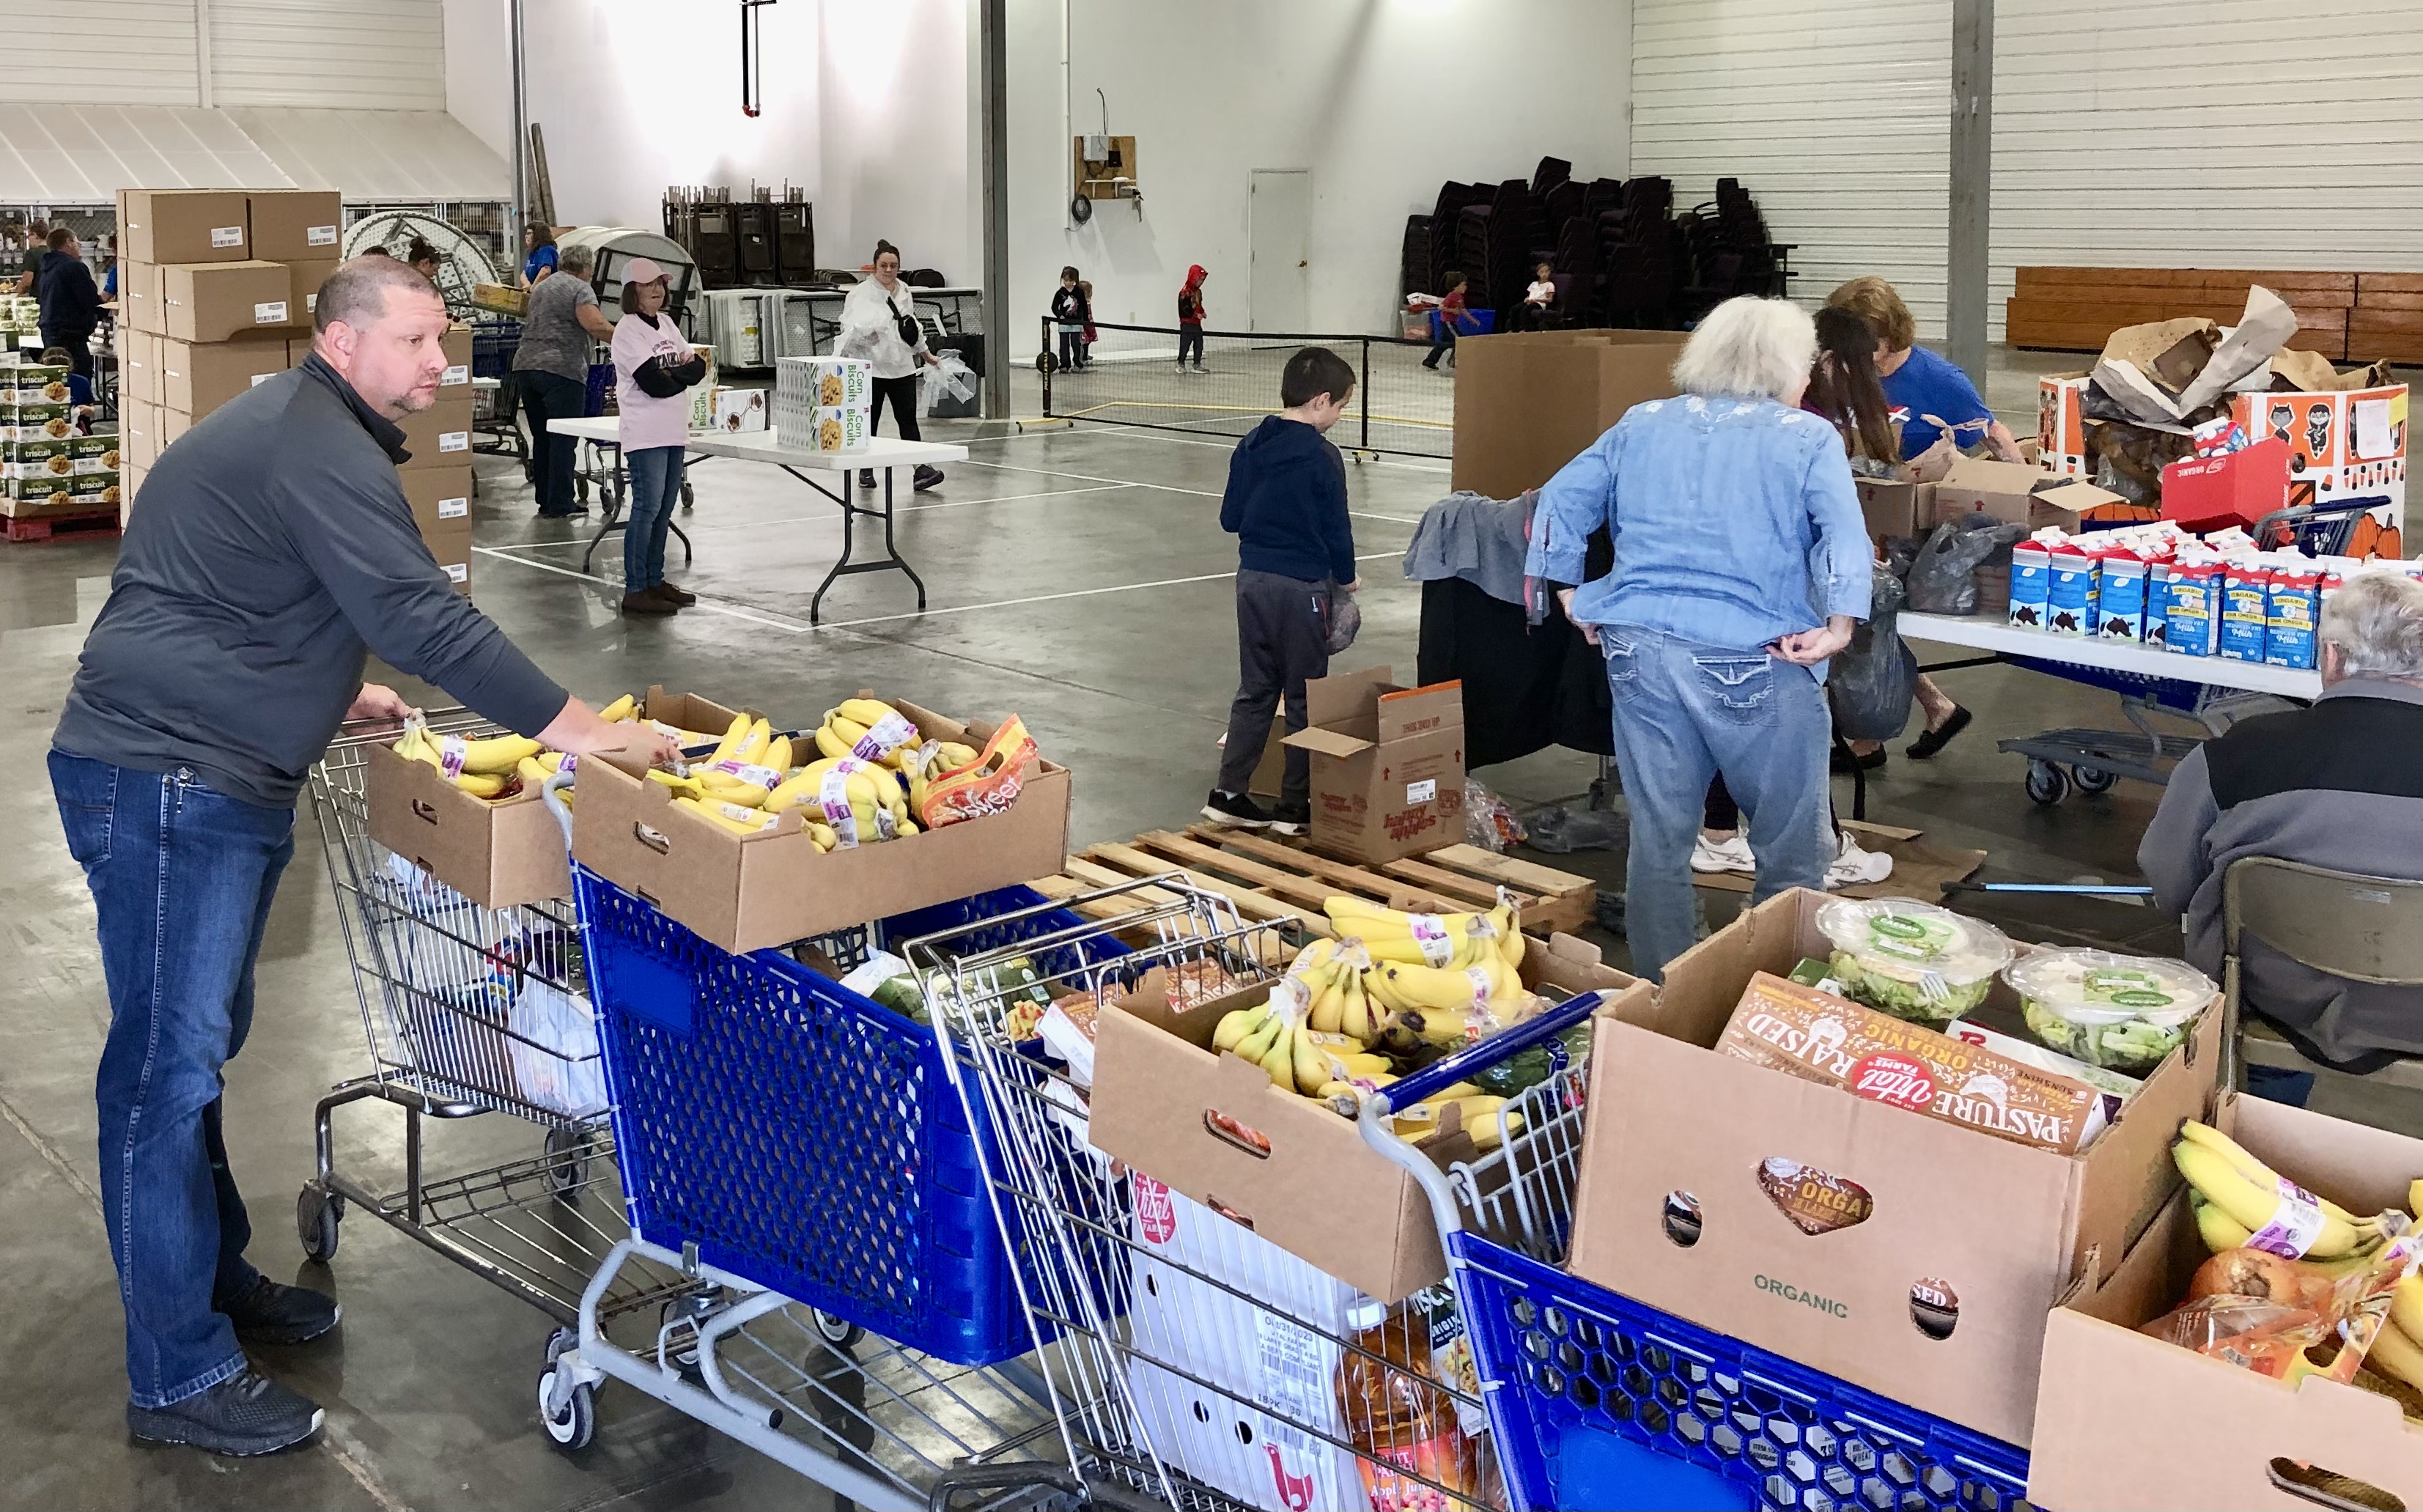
(2337, 785)
(271, 552)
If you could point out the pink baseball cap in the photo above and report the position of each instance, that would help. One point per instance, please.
(644, 270)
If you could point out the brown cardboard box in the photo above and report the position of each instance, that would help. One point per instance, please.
(182, 225)
(130, 478)
(309, 275)
(2060, 428)
(1318, 1192)
(197, 377)
(138, 427)
(2125, 1422)
(138, 366)
(139, 298)
(748, 892)
(451, 544)
(456, 382)
(2015, 493)
(296, 225)
(1388, 764)
(173, 423)
(440, 435)
(2002, 1228)
(1893, 508)
(1528, 403)
(217, 301)
(441, 498)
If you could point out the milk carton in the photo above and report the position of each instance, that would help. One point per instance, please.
(2120, 597)
(2292, 607)
(2031, 580)
(2245, 609)
(2191, 607)
(2070, 593)
(2158, 605)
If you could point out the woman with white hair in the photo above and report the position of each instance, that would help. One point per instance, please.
(1741, 565)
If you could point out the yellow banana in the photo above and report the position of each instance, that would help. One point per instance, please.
(2406, 1305)
(497, 756)
(2218, 1229)
(1509, 935)
(2255, 1170)
(2394, 1354)
(831, 743)
(1308, 1068)
(822, 835)
(2415, 1196)
(950, 756)
(2228, 1188)
(1236, 1024)
(620, 709)
(682, 787)
(752, 749)
(731, 816)
(724, 787)
(864, 713)
(1354, 1013)
(1278, 1060)
(532, 775)
(1422, 986)
(481, 784)
(729, 746)
(1328, 1014)
(777, 755)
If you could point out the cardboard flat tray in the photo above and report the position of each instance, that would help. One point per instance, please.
(1276, 883)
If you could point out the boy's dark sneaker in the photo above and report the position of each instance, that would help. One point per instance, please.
(866, 477)
(925, 478)
(271, 1313)
(1291, 819)
(247, 1413)
(1235, 809)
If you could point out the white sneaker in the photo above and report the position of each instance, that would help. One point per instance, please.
(1729, 855)
(1853, 865)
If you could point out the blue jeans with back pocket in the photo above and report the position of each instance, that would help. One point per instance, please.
(1684, 713)
(182, 876)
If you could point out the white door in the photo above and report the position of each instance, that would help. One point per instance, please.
(1278, 235)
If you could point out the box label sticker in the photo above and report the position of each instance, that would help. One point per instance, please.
(454, 508)
(460, 373)
(319, 235)
(1423, 791)
(455, 440)
(272, 312)
(227, 236)
(259, 378)
(459, 571)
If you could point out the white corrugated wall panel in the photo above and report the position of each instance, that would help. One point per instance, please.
(84, 155)
(357, 55)
(121, 52)
(2207, 134)
(387, 156)
(1835, 116)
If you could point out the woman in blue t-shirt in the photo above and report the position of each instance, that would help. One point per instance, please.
(538, 243)
(1921, 387)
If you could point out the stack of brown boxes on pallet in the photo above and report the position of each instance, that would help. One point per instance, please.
(216, 290)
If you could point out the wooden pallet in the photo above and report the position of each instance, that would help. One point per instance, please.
(43, 527)
(1280, 883)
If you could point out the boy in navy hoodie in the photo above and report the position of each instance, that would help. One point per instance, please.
(1286, 504)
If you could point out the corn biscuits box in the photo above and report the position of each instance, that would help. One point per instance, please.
(838, 428)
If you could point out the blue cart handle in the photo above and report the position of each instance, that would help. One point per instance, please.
(1460, 1066)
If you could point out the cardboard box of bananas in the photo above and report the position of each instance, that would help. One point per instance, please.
(1390, 993)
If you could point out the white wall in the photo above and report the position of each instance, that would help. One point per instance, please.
(2235, 134)
(1382, 100)
(360, 55)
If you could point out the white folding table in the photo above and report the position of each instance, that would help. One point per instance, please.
(883, 453)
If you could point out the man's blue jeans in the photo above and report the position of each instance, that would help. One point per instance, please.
(182, 876)
(655, 473)
(1684, 712)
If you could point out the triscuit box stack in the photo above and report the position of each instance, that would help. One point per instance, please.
(217, 292)
(46, 468)
(821, 402)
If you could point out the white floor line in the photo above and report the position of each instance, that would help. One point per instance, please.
(728, 611)
(1088, 477)
(1046, 599)
(1007, 499)
(1140, 434)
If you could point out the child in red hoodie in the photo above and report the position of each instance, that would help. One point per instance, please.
(1189, 319)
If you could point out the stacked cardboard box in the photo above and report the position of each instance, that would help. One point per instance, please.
(217, 292)
(437, 474)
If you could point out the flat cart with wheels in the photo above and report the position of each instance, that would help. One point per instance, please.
(467, 1012)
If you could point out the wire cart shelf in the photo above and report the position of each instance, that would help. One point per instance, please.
(467, 1012)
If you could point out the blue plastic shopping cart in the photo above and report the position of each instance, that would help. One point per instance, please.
(1596, 1401)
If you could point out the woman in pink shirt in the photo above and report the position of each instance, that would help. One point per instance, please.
(654, 368)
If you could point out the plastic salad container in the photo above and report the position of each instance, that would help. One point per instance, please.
(1912, 960)
(2123, 1012)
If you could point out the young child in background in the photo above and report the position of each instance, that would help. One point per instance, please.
(1087, 351)
(1189, 319)
(1286, 504)
(1451, 318)
(1537, 299)
(1070, 313)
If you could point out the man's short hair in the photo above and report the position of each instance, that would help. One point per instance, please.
(1313, 371)
(574, 259)
(58, 239)
(2376, 620)
(357, 292)
(1880, 305)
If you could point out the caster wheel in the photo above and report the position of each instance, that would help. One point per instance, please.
(577, 1423)
(567, 1161)
(834, 1331)
(580, 490)
(681, 1347)
(2047, 784)
(316, 1213)
(2092, 779)
(689, 497)
(559, 1344)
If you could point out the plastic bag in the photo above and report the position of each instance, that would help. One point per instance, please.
(948, 378)
(1872, 681)
(1489, 820)
(989, 785)
(554, 1050)
(1559, 829)
(1944, 575)
(1345, 618)
(2284, 1319)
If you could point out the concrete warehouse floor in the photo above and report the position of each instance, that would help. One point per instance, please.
(1080, 578)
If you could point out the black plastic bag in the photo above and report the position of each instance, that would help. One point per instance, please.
(1943, 577)
(1872, 681)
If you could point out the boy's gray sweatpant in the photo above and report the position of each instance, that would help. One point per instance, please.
(1282, 643)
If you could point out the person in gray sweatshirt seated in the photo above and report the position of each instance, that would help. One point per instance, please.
(2338, 784)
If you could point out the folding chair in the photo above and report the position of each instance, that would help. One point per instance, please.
(2361, 928)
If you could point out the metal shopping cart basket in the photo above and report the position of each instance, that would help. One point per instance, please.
(1597, 1401)
(467, 1011)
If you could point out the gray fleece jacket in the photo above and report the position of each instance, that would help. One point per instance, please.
(2338, 784)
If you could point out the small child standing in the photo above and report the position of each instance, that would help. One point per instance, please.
(1286, 504)
(1190, 318)
(1087, 351)
(1071, 314)
(1452, 317)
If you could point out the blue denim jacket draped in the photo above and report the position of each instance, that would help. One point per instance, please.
(1734, 522)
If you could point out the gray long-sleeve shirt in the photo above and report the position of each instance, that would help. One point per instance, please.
(271, 552)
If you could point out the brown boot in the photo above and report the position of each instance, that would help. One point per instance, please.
(681, 597)
(646, 601)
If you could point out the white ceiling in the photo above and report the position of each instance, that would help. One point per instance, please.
(84, 153)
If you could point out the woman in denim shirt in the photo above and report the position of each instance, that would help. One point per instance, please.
(1741, 562)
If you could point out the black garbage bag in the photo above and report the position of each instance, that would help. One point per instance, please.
(1872, 681)
(1943, 576)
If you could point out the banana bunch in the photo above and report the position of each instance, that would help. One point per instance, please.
(2394, 1353)
(876, 799)
(873, 732)
(2236, 1194)
(1446, 940)
(1484, 1116)
(742, 819)
(1332, 971)
(484, 768)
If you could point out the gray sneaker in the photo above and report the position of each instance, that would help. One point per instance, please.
(245, 1414)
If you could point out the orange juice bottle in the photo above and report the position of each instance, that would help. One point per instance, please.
(1398, 1418)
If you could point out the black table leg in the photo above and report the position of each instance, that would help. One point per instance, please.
(891, 561)
(609, 503)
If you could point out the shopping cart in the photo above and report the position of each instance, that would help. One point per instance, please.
(467, 1011)
(1597, 1401)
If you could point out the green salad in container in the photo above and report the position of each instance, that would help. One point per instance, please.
(2123, 1012)
(1911, 960)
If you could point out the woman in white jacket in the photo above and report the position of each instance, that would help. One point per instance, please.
(879, 323)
